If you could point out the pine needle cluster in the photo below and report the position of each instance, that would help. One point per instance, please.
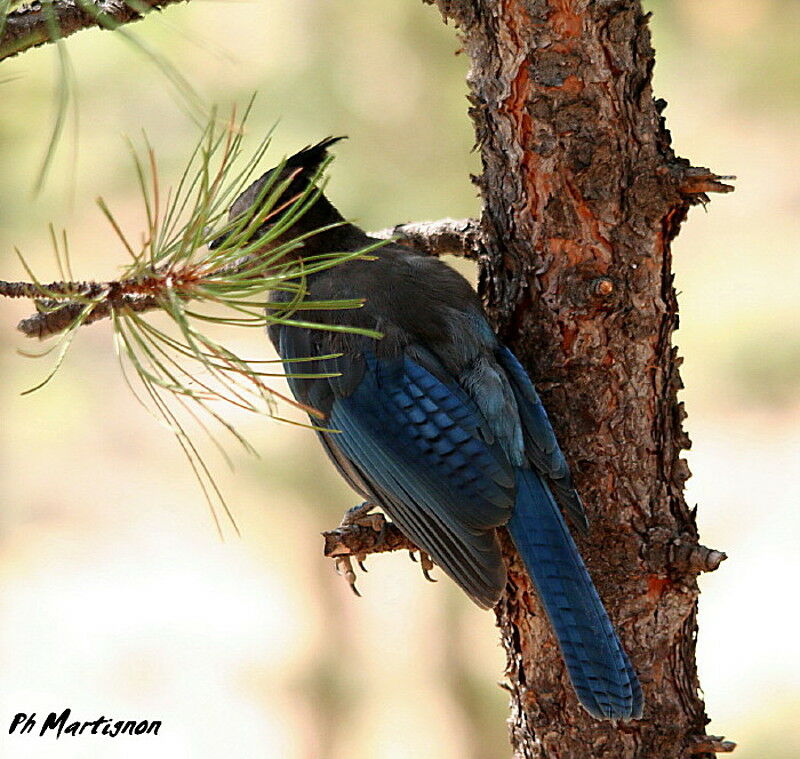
(181, 371)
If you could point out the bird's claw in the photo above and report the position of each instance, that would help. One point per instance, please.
(427, 565)
(359, 515)
(355, 514)
(344, 567)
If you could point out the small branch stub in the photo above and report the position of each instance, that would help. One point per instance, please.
(711, 744)
(455, 237)
(695, 557)
(603, 287)
(695, 182)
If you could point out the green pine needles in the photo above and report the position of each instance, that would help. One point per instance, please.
(181, 372)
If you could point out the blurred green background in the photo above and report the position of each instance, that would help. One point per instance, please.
(116, 595)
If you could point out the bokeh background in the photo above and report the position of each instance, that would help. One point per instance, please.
(116, 595)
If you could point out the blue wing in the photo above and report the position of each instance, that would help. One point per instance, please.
(418, 447)
(417, 442)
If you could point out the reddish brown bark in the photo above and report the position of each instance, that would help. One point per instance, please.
(582, 197)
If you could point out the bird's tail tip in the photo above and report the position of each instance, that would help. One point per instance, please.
(601, 673)
(621, 700)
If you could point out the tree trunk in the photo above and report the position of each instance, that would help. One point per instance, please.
(582, 197)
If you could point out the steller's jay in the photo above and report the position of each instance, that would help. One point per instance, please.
(438, 424)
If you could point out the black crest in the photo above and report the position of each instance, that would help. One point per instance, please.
(308, 160)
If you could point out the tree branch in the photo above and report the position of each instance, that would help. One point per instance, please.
(48, 323)
(33, 25)
(53, 318)
(455, 237)
(436, 238)
(360, 540)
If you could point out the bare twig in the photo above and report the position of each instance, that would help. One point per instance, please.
(456, 237)
(65, 289)
(49, 323)
(31, 25)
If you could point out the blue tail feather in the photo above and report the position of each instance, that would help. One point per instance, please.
(598, 667)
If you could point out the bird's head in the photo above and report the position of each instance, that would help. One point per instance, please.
(277, 191)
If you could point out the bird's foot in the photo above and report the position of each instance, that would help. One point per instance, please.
(359, 515)
(361, 534)
(426, 563)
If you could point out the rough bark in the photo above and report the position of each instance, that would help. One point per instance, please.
(582, 197)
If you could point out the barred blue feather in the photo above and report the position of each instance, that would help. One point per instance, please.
(597, 664)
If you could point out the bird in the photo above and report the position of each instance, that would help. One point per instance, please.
(437, 423)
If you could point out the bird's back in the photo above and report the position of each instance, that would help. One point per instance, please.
(411, 299)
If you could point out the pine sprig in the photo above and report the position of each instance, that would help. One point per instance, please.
(199, 268)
